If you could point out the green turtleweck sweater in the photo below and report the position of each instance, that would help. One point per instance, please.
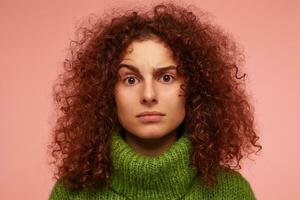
(167, 176)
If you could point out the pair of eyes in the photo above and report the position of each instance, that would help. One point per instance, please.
(165, 78)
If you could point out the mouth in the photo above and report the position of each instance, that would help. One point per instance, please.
(150, 113)
(150, 116)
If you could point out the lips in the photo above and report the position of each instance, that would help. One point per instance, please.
(150, 113)
(150, 116)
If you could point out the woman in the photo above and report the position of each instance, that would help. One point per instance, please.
(152, 107)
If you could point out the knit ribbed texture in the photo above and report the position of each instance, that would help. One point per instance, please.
(163, 177)
(168, 176)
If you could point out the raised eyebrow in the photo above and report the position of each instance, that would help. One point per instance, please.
(156, 71)
(130, 67)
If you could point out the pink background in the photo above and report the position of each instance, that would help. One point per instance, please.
(34, 37)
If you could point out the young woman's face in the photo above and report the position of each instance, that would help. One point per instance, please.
(149, 82)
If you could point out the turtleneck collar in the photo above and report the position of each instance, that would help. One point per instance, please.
(167, 176)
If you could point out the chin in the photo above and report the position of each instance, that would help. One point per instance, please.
(151, 133)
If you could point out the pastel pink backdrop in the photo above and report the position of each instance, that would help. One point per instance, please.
(34, 37)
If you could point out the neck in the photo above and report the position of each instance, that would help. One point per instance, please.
(151, 147)
(167, 176)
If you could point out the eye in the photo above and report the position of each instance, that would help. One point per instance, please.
(130, 80)
(167, 78)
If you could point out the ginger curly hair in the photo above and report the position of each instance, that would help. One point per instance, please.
(219, 117)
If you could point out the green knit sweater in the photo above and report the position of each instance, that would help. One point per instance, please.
(167, 176)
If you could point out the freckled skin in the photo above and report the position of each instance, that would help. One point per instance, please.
(149, 91)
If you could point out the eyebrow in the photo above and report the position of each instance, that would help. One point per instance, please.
(156, 70)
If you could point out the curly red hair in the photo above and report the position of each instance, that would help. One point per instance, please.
(219, 116)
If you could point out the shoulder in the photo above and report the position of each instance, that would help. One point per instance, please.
(231, 185)
(234, 185)
(60, 192)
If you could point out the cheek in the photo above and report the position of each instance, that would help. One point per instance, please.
(174, 103)
(174, 94)
(124, 101)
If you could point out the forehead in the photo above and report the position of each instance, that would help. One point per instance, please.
(150, 52)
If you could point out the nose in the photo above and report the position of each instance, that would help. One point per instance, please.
(149, 93)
